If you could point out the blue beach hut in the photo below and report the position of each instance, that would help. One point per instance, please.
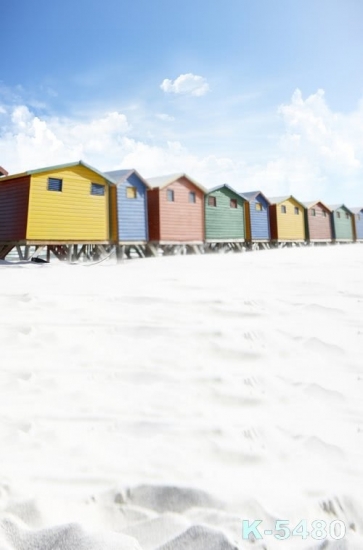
(129, 204)
(257, 217)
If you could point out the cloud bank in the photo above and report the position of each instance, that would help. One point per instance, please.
(318, 152)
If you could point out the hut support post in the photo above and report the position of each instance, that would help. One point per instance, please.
(120, 253)
(195, 249)
(4, 250)
(151, 250)
(20, 252)
(139, 251)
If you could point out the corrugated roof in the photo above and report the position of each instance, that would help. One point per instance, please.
(220, 187)
(334, 207)
(250, 195)
(310, 204)
(278, 200)
(120, 176)
(163, 181)
(58, 167)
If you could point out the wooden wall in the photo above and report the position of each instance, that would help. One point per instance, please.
(318, 227)
(288, 226)
(72, 214)
(14, 199)
(222, 221)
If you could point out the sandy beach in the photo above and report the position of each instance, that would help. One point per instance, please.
(158, 403)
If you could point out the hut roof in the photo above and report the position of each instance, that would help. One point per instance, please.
(163, 181)
(278, 200)
(221, 187)
(310, 204)
(334, 207)
(356, 209)
(120, 176)
(250, 195)
(3, 172)
(58, 167)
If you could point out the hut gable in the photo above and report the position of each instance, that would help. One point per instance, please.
(257, 216)
(175, 209)
(287, 219)
(224, 214)
(342, 222)
(131, 205)
(318, 221)
(357, 212)
(3, 172)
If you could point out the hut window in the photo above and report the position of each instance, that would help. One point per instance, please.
(296, 211)
(97, 189)
(170, 195)
(258, 206)
(347, 215)
(338, 214)
(283, 209)
(212, 201)
(313, 212)
(324, 214)
(233, 203)
(192, 197)
(55, 184)
(131, 193)
(358, 217)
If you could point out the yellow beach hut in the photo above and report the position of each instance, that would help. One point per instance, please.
(287, 219)
(56, 206)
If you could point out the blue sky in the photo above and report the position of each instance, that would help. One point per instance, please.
(255, 93)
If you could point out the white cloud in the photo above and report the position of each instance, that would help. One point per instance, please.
(31, 142)
(187, 84)
(317, 153)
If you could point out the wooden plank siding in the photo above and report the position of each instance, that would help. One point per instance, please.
(72, 214)
(318, 223)
(257, 217)
(223, 223)
(113, 216)
(178, 221)
(342, 223)
(132, 213)
(358, 223)
(14, 199)
(153, 214)
(288, 226)
(129, 206)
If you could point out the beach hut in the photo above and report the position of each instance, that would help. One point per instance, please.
(318, 222)
(342, 223)
(257, 214)
(3, 172)
(175, 212)
(224, 216)
(287, 222)
(55, 206)
(129, 204)
(358, 222)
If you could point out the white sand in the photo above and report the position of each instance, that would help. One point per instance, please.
(233, 383)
